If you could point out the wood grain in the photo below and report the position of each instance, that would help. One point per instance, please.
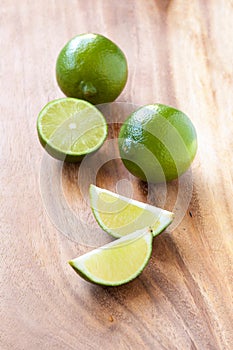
(179, 53)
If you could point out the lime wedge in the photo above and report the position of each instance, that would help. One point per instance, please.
(69, 128)
(117, 262)
(119, 215)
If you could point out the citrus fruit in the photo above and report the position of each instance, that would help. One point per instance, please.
(119, 215)
(69, 128)
(117, 262)
(91, 67)
(157, 143)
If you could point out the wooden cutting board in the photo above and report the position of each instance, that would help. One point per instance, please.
(179, 53)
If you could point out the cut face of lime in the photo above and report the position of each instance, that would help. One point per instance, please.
(117, 262)
(69, 128)
(119, 215)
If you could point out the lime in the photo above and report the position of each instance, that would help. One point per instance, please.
(69, 128)
(117, 262)
(91, 67)
(157, 143)
(119, 215)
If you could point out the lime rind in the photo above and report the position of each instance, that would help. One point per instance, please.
(162, 218)
(66, 105)
(79, 266)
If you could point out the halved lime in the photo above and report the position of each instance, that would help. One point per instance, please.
(70, 128)
(119, 215)
(117, 262)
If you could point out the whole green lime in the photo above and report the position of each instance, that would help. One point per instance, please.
(157, 143)
(91, 67)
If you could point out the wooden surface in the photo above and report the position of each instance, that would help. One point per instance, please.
(179, 53)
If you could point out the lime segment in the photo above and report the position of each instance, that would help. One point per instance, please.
(119, 215)
(69, 128)
(117, 262)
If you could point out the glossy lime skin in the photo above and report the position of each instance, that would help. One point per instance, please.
(91, 67)
(157, 143)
